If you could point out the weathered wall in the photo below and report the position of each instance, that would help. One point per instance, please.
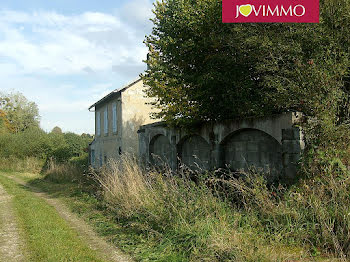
(133, 111)
(107, 146)
(269, 144)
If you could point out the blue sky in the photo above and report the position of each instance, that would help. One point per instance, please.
(66, 54)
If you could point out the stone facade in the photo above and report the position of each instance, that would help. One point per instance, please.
(271, 145)
(124, 110)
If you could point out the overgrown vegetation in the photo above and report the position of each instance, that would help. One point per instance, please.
(197, 64)
(24, 145)
(28, 164)
(170, 218)
(200, 69)
(204, 223)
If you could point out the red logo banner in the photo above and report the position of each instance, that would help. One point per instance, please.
(270, 11)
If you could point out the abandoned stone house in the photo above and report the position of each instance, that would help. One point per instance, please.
(118, 116)
(271, 144)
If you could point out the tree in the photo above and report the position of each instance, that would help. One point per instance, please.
(201, 69)
(21, 113)
(5, 125)
(56, 130)
(76, 144)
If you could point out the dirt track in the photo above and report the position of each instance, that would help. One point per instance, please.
(10, 240)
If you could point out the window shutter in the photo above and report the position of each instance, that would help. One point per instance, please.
(98, 123)
(106, 121)
(114, 118)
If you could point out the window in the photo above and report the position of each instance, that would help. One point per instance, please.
(101, 160)
(98, 123)
(106, 121)
(114, 117)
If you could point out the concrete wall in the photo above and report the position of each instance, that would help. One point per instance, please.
(194, 152)
(270, 145)
(252, 148)
(160, 150)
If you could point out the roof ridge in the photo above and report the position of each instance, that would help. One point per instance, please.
(122, 89)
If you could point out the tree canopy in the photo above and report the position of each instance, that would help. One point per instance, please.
(56, 130)
(201, 69)
(20, 112)
(21, 135)
(5, 125)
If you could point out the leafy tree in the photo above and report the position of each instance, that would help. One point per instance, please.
(27, 139)
(76, 143)
(201, 69)
(56, 130)
(87, 137)
(5, 125)
(30, 143)
(21, 113)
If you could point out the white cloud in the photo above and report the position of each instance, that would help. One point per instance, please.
(50, 43)
(49, 56)
(137, 12)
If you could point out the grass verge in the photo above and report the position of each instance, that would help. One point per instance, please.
(48, 237)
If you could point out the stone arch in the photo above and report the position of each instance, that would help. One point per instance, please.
(160, 150)
(194, 152)
(252, 148)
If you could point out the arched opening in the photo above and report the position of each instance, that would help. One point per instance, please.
(160, 150)
(252, 149)
(194, 152)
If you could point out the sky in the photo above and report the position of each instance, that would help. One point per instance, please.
(66, 54)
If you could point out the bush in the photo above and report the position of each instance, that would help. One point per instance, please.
(315, 211)
(81, 161)
(35, 143)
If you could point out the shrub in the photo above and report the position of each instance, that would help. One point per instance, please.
(315, 211)
(34, 142)
(81, 161)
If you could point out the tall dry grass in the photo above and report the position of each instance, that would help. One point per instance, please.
(28, 164)
(63, 172)
(171, 208)
(315, 212)
(196, 219)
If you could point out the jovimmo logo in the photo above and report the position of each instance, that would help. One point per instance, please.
(270, 11)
